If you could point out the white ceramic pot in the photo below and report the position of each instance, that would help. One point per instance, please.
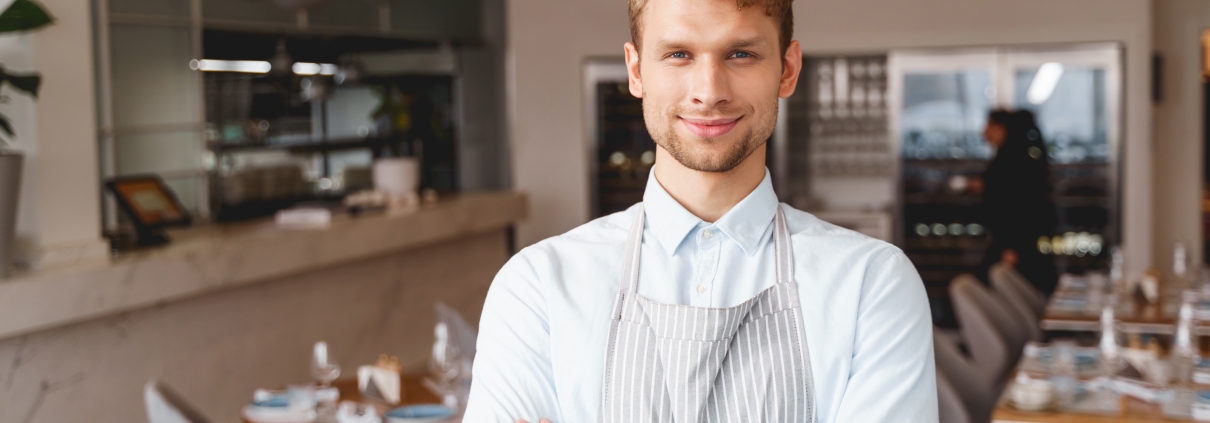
(10, 187)
(1034, 394)
(397, 177)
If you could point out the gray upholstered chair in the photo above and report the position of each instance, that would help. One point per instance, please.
(165, 406)
(978, 398)
(1009, 276)
(992, 334)
(1007, 287)
(949, 405)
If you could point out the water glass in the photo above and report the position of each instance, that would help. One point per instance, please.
(1063, 371)
(301, 397)
(323, 370)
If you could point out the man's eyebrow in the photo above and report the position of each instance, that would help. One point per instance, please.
(747, 42)
(672, 45)
(737, 44)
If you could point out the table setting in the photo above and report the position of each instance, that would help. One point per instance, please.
(381, 392)
(1124, 376)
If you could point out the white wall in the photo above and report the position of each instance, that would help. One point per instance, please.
(1179, 128)
(548, 41)
(59, 211)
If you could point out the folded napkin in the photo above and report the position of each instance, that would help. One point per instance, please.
(1133, 388)
(380, 383)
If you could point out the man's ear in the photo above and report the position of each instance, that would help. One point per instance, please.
(632, 70)
(791, 66)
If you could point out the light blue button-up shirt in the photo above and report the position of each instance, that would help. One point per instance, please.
(544, 329)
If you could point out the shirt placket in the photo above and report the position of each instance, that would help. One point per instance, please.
(708, 242)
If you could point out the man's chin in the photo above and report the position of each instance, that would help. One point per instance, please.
(708, 160)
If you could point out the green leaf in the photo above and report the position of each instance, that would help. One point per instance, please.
(28, 82)
(5, 126)
(23, 15)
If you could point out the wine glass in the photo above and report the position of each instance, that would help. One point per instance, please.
(321, 369)
(446, 364)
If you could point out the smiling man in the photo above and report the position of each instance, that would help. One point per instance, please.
(709, 301)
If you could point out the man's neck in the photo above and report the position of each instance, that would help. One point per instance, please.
(709, 195)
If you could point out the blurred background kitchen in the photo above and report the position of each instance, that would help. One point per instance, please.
(201, 190)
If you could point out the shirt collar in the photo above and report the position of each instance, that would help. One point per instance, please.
(746, 223)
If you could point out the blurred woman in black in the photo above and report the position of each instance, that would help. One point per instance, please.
(1016, 197)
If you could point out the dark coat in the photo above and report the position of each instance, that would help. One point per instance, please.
(1017, 206)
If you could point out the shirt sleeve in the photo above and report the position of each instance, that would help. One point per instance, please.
(513, 378)
(892, 378)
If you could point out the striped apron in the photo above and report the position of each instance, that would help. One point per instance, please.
(676, 363)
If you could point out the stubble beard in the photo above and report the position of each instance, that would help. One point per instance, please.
(660, 126)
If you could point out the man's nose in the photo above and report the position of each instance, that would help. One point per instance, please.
(710, 85)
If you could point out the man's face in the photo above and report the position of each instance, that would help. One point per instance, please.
(710, 76)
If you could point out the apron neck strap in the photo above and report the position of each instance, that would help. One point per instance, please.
(783, 250)
(634, 244)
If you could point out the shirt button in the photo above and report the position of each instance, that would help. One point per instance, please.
(708, 234)
(701, 288)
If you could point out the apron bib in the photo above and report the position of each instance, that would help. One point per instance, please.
(677, 363)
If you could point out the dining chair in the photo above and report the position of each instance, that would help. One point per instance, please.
(1016, 299)
(989, 331)
(977, 396)
(949, 405)
(165, 406)
(1010, 276)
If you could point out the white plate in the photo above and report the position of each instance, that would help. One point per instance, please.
(256, 414)
(416, 419)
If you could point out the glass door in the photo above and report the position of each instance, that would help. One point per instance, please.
(1073, 93)
(938, 106)
(939, 101)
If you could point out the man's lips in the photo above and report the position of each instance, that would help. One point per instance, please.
(709, 128)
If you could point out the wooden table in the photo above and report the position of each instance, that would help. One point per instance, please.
(1134, 314)
(1136, 317)
(414, 392)
(1131, 411)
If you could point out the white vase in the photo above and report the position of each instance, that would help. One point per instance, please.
(10, 187)
(397, 177)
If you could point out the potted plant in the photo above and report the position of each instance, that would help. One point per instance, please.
(20, 16)
(395, 170)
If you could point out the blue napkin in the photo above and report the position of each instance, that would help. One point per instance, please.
(421, 411)
(276, 401)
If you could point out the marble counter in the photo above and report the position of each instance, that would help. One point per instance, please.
(207, 260)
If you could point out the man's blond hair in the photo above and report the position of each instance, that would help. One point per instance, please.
(780, 10)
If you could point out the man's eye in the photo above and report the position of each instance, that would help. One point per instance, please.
(742, 55)
(679, 55)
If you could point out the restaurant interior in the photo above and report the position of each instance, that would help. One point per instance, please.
(292, 210)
